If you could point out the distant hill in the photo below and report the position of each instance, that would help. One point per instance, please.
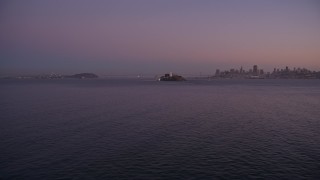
(83, 76)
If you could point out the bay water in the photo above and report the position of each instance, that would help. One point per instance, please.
(145, 129)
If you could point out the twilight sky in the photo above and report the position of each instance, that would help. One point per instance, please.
(157, 36)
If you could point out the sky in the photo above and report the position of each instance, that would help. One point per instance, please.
(157, 36)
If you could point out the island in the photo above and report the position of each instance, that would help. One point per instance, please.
(83, 76)
(171, 77)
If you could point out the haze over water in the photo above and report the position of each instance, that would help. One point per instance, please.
(144, 129)
(157, 36)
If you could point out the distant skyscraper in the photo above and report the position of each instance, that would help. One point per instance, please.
(217, 72)
(261, 72)
(255, 70)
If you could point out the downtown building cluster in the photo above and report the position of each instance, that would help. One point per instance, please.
(256, 73)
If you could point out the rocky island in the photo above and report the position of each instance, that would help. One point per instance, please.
(171, 77)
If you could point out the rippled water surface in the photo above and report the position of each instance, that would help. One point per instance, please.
(143, 129)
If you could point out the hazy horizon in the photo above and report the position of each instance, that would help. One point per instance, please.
(154, 37)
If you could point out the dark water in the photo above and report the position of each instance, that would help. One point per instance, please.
(142, 129)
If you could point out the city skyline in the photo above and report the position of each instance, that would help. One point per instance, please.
(256, 72)
(259, 73)
(153, 37)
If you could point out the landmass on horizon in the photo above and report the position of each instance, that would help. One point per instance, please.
(56, 76)
(254, 73)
